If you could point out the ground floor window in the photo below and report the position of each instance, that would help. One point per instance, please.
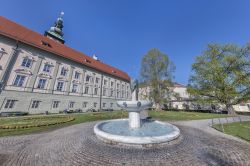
(10, 103)
(55, 104)
(35, 104)
(85, 104)
(111, 105)
(86, 91)
(103, 105)
(71, 104)
(95, 91)
(104, 92)
(95, 104)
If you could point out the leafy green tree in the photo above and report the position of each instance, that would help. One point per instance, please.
(222, 75)
(156, 72)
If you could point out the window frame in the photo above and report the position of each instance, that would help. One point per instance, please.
(84, 104)
(43, 84)
(74, 88)
(27, 62)
(35, 104)
(61, 87)
(20, 82)
(64, 72)
(2, 51)
(55, 103)
(77, 75)
(47, 67)
(71, 104)
(86, 90)
(88, 78)
(10, 103)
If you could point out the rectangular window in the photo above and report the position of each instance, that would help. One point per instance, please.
(86, 91)
(35, 104)
(118, 86)
(112, 84)
(2, 51)
(95, 104)
(104, 92)
(74, 88)
(71, 104)
(59, 86)
(41, 83)
(105, 82)
(88, 78)
(63, 71)
(46, 68)
(77, 75)
(103, 105)
(85, 104)
(95, 91)
(111, 105)
(55, 104)
(10, 103)
(26, 62)
(97, 80)
(19, 80)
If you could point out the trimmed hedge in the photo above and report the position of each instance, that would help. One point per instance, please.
(4, 114)
(243, 113)
(59, 120)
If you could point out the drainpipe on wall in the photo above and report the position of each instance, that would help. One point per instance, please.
(9, 67)
(100, 106)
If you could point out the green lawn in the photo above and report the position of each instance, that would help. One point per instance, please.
(238, 129)
(174, 115)
(86, 117)
(78, 118)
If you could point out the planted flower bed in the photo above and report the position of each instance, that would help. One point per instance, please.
(29, 122)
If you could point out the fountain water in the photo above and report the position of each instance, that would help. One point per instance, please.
(135, 130)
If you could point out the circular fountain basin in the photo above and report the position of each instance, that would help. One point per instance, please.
(150, 132)
(134, 106)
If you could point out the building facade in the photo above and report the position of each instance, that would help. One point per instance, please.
(181, 99)
(39, 73)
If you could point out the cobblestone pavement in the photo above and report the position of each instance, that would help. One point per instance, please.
(77, 145)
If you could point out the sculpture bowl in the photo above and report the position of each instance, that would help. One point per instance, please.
(134, 106)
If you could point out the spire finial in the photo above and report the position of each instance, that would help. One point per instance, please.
(61, 14)
(55, 32)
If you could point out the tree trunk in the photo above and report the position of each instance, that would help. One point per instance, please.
(157, 106)
(230, 110)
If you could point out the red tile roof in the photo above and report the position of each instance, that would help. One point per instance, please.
(27, 36)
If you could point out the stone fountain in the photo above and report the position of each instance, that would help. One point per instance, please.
(136, 130)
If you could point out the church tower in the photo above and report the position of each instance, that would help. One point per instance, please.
(55, 32)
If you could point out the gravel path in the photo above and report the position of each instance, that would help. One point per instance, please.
(77, 145)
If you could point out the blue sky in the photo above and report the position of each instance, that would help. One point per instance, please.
(120, 32)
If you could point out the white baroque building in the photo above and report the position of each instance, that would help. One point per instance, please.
(38, 73)
(181, 99)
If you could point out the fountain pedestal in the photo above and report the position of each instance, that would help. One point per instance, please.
(134, 120)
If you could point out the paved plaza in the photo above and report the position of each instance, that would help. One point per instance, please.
(77, 145)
